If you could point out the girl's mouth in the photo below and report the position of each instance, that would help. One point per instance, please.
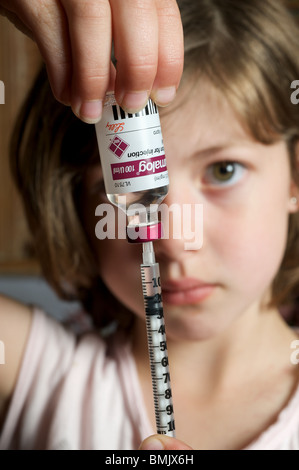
(186, 291)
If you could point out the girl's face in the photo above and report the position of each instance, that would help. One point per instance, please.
(245, 189)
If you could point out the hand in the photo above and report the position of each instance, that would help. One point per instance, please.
(160, 442)
(75, 37)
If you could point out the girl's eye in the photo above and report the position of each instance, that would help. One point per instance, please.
(223, 173)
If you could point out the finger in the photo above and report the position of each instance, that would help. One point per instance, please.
(111, 86)
(46, 22)
(135, 35)
(53, 42)
(171, 52)
(91, 37)
(160, 442)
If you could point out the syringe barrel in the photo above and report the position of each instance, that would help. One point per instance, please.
(157, 348)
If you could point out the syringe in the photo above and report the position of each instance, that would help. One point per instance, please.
(157, 346)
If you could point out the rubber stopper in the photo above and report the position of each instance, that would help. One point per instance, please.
(144, 233)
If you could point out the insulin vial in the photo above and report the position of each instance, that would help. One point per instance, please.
(134, 166)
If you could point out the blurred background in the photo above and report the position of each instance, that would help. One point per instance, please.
(20, 275)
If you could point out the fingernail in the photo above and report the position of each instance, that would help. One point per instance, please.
(90, 111)
(134, 101)
(152, 444)
(164, 96)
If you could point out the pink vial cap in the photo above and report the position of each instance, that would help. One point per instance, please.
(144, 233)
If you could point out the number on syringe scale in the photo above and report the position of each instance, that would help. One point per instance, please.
(156, 282)
(161, 330)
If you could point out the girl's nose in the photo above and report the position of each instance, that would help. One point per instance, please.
(182, 220)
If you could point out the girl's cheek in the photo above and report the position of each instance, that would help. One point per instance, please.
(246, 236)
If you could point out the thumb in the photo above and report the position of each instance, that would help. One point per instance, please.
(160, 442)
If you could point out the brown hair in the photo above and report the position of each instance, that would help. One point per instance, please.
(246, 48)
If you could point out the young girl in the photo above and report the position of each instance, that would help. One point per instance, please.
(231, 141)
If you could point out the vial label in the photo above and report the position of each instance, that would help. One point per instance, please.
(131, 149)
